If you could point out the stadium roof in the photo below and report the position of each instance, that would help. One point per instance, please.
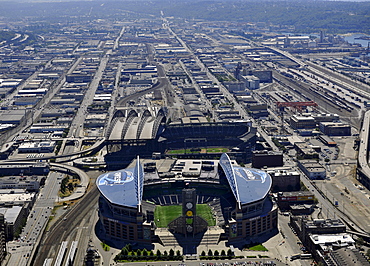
(247, 184)
(123, 187)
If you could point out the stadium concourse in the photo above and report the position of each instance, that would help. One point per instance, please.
(238, 197)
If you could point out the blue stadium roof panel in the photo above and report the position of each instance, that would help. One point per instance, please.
(253, 184)
(119, 187)
(248, 185)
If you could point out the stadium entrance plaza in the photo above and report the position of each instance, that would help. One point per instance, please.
(275, 245)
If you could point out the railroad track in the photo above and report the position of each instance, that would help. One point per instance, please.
(64, 227)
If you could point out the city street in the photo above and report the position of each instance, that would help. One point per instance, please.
(21, 249)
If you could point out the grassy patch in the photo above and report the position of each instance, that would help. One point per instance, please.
(68, 185)
(182, 151)
(203, 150)
(217, 150)
(204, 211)
(175, 151)
(258, 247)
(163, 215)
(85, 147)
(105, 246)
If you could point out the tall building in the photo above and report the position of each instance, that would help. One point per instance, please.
(2, 239)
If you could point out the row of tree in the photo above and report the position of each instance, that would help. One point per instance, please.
(214, 255)
(128, 254)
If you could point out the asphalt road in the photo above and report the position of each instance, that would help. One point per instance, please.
(37, 220)
(76, 128)
(204, 263)
(161, 84)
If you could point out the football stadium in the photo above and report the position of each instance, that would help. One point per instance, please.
(185, 198)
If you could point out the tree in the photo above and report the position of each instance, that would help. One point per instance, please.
(70, 186)
(159, 253)
(145, 252)
(223, 253)
(216, 253)
(210, 253)
(171, 253)
(178, 253)
(165, 253)
(360, 242)
(203, 253)
(124, 251)
(368, 253)
(151, 253)
(229, 253)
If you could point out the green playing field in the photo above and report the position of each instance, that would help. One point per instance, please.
(163, 215)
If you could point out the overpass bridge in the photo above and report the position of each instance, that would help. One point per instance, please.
(363, 168)
(98, 144)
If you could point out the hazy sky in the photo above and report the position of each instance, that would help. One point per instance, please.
(155, 0)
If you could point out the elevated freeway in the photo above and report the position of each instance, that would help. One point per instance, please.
(162, 83)
(96, 146)
(363, 152)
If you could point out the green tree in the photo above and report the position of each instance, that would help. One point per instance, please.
(210, 253)
(216, 253)
(159, 254)
(178, 253)
(171, 253)
(360, 242)
(145, 252)
(165, 253)
(368, 253)
(203, 253)
(229, 253)
(124, 252)
(303, 187)
(223, 253)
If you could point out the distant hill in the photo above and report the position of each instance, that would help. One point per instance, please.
(306, 16)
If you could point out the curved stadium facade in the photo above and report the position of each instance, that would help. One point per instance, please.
(239, 197)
